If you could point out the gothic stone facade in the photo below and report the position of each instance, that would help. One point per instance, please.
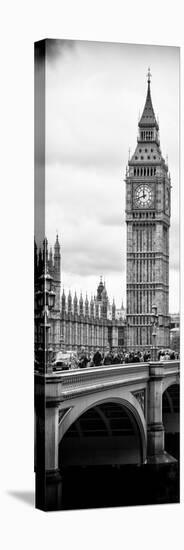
(75, 323)
(148, 207)
(50, 262)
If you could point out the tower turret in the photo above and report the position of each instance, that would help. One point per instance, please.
(91, 307)
(57, 259)
(100, 289)
(81, 305)
(45, 253)
(148, 125)
(96, 308)
(75, 305)
(57, 271)
(86, 306)
(63, 302)
(104, 305)
(69, 303)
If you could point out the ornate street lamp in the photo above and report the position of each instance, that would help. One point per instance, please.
(154, 332)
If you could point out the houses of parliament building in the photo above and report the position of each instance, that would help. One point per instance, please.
(75, 322)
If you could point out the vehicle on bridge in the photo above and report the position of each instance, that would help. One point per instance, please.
(64, 361)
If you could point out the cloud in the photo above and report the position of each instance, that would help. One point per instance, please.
(94, 92)
(112, 219)
(90, 257)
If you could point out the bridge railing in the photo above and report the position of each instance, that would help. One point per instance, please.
(67, 384)
(171, 367)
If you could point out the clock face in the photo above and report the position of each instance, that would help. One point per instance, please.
(143, 196)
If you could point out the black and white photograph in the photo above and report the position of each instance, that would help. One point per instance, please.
(107, 271)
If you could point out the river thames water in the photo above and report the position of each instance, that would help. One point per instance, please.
(102, 486)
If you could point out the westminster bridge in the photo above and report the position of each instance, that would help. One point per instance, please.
(116, 415)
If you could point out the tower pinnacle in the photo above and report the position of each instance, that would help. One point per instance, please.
(148, 118)
(149, 75)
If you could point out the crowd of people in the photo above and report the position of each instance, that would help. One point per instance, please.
(98, 359)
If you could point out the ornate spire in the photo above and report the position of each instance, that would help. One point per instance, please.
(148, 118)
(96, 309)
(69, 302)
(149, 76)
(86, 306)
(57, 260)
(75, 304)
(100, 289)
(45, 254)
(81, 305)
(57, 246)
(92, 307)
(104, 303)
(63, 302)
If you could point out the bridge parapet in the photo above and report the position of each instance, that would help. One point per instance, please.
(171, 374)
(67, 384)
(75, 383)
(171, 367)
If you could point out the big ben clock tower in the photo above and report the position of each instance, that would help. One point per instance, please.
(148, 189)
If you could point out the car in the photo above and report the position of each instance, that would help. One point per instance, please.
(63, 361)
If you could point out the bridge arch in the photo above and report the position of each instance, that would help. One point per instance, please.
(123, 398)
(170, 381)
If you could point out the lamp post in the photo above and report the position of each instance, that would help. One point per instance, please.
(45, 301)
(154, 332)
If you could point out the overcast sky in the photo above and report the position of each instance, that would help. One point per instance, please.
(94, 95)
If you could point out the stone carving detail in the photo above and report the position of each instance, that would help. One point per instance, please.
(140, 396)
